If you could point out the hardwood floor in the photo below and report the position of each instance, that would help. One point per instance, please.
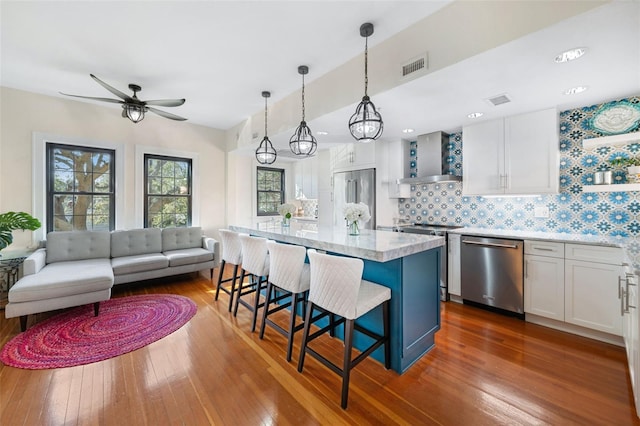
(486, 369)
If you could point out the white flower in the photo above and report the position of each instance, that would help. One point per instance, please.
(287, 210)
(359, 212)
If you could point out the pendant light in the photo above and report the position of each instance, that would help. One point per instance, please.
(302, 142)
(366, 124)
(266, 153)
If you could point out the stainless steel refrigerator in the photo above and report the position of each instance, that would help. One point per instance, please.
(358, 186)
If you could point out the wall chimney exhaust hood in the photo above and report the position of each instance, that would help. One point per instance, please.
(431, 160)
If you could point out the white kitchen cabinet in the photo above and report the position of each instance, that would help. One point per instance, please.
(628, 292)
(353, 156)
(591, 287)
(306, 178)
(453, 265)
(512, 155)
(397, 156)
(544, 279)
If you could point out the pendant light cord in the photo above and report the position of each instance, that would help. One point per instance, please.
(366, 57)
(265, 117)
(302, 97)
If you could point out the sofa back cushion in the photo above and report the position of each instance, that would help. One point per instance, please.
(136, 241)
(181, 238)
(78, 245)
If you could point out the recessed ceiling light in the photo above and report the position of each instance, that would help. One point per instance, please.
(408, 130)
(322, 133)
(575, 90)
(570, 55)
(475, 114)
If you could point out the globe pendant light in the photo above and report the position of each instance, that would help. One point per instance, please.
(266, 153)
(302, 142)
(366, 124)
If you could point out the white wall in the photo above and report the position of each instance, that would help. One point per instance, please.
(22, 114)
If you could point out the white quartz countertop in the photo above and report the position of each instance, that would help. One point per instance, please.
(544, 236)
(380, 246)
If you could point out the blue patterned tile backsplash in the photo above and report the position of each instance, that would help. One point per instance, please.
(570, 211)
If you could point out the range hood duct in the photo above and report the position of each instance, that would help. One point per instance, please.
(431, 160)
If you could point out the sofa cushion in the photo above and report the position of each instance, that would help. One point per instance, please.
(78, 245)
(136, 241)
(62, 279)
(188, 256)
(181, 238)
(139, 263)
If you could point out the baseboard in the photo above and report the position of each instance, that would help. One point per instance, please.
(575, 329)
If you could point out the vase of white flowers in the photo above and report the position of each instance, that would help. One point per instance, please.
(355, 214)
(286, 210)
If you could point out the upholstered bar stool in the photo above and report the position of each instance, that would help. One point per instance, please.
(288, 276)
(231, 254)
(337, 288)
(255, 262)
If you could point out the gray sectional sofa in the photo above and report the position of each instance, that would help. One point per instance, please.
(81, 267)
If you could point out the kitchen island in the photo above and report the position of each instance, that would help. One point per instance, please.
(409, 264)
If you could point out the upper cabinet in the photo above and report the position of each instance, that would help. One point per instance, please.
(512, 155)
(306, 178)
(397, 156)
(353, 156)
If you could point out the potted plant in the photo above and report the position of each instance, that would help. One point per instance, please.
(631, 163)
(11, 221)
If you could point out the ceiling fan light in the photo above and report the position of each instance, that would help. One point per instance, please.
(303, 142)
(135, 113)
(366, 123)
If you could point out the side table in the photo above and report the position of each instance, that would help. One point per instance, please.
(10, 271)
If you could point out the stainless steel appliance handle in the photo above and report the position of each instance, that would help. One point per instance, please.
(490, 244)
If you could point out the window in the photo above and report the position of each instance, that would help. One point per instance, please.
(270, 190)
(80, 188)
(168, 191)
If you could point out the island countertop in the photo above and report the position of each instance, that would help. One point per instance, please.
(380, 246)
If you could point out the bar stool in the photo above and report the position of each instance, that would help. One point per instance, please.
(231, 254)
(255, 262)
(337, 288)
(288, 274)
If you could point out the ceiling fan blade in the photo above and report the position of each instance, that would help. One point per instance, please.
(112, 89)
(166, 102)
(166, 114)
(115, 101)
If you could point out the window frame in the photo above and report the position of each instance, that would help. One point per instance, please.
(146, 195)
(49, 175)
(258, 191)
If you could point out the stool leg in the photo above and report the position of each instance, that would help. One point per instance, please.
(346, 365)
(332, 322)
(219, 279)
(256, 303)
(265, 311)
(387, 342)
(239, 292)
(305, 336)
(292, 324)
(233, 286)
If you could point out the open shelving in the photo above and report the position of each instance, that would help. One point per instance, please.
(614, 140)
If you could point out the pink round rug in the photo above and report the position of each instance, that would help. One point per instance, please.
(78, 337)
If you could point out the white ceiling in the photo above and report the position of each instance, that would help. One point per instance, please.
(220, 55)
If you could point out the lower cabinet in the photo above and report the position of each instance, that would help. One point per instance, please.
(544, 286)
(591, 295)
(630, 330)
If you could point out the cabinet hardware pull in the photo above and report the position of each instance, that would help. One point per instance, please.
(490, 244)
(620, 280)
(542, 249)
(622, 304)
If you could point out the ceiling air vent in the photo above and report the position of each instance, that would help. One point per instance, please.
(499, 100)
(415, 65)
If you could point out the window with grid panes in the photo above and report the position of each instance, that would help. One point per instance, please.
(80, 188)
(168, 191)
(270, 190)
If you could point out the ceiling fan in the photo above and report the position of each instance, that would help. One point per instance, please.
(132, 107)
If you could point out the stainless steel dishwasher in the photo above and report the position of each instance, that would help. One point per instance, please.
(492, 273)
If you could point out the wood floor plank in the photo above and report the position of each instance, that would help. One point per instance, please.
(486, 369)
